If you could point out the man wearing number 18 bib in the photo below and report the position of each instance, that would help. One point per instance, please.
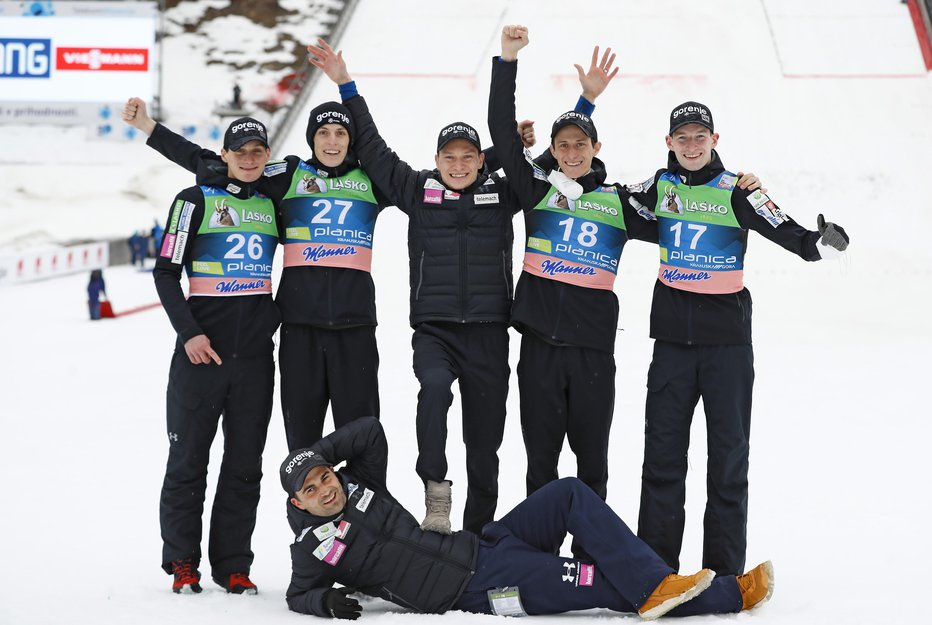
(564, 305)
(701, 323)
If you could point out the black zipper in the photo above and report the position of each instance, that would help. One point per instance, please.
(420, 279)
(505, 274)
(461, 233)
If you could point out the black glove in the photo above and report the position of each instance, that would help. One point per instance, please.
(341, 606)
(832, 235)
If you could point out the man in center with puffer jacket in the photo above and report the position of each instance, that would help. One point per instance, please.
(350, 530)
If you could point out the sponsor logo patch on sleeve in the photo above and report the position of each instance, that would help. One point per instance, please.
(363, 504)
(640, 187)
(176, 214)
(433, 196)
(757, 199)
(769, 211)
(274, 169)
(180, 243)
(325, 531)
(184, 223)
(168, 245)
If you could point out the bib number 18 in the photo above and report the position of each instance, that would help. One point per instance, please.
(587, 232)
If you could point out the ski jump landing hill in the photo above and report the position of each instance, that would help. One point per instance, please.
(827, 101)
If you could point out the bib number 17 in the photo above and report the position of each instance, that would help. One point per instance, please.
(677, 229)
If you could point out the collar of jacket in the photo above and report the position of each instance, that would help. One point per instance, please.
(595, 178)
(481, 180)
(693, 178)
(349, 163)
(214, 174)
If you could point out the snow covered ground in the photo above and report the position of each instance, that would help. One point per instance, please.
(839, 473)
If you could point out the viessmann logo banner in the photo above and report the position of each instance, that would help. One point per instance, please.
(102, 59)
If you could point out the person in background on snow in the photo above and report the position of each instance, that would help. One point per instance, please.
(460, 241)
(350, 530)
(222, 363)
(137, 249)
(701, 322)
(95, 288)
(326, 209)
(157, 232)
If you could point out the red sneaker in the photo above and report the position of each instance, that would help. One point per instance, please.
(187, 577)
(237, 583)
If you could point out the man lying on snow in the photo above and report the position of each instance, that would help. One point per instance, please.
(350, 530)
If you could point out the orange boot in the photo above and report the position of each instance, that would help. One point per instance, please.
(674, 590)
(756, 585)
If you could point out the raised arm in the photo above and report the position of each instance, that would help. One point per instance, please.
(397, 180)
(528, 182)
(171, 145)
(362, 445)
(597, 78)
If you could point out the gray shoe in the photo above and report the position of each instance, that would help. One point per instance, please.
(437, 499)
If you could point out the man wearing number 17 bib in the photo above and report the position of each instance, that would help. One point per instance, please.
(701, 323)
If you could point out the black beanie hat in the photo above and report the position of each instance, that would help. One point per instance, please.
(329, 113)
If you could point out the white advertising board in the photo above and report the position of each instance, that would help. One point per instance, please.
(49, 263)
(65, 64)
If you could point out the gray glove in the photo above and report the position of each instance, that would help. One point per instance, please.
(832, 235)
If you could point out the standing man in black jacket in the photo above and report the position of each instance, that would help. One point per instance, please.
(460, 241)
(459, 247)
(349, 529)
(327, 209)
(701, 322)
(564, 307)
(224, 234)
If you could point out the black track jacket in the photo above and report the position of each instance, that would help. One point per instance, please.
(559, 313)
(679, 316)
(459, 243)
(325, 297)
(238, 327)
